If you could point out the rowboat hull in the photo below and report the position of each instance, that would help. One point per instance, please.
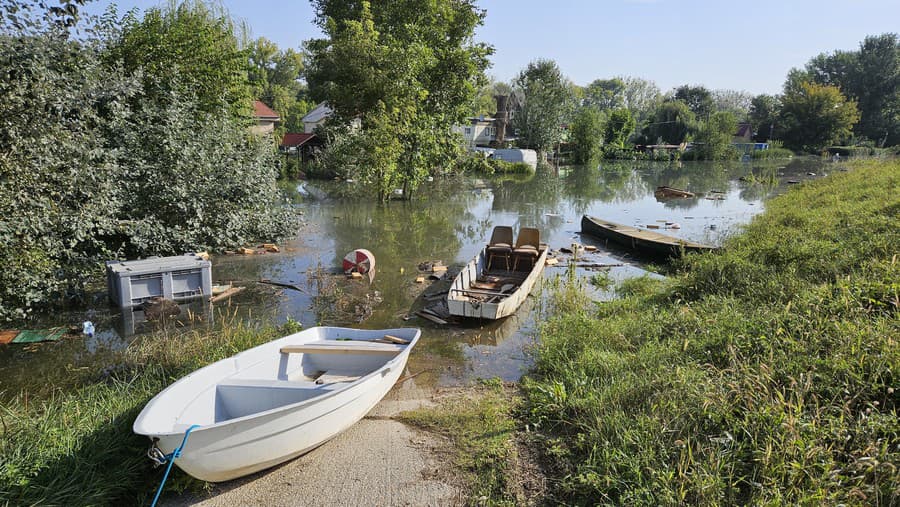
(464, 301)
(646, 242)
(259, 408)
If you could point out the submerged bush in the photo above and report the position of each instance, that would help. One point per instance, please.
(761, 375)
(96, 168)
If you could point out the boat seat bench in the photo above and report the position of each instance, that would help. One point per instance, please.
(343, 347)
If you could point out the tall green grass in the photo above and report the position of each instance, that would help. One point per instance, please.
(766, 374)
(74, 446)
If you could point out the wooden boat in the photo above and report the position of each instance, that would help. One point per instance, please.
(496, 293)
(647, 242)
(276, 401)
(664, 192)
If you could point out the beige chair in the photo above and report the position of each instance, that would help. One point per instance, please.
(527, 246)
(500, 245)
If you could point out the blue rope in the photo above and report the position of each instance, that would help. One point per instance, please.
(171, 459)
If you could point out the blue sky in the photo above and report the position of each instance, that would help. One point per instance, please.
(720, 44)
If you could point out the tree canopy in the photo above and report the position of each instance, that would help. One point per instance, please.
(869, 76)
(545, 104)
(408, 71)
(100, 166)
(814, 116)
(187, 47)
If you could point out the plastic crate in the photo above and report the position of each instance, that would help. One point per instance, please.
(181, 277)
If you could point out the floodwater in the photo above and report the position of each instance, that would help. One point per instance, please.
(450, 220)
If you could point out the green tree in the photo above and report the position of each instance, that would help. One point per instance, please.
(275, 75)
(763, 116)
(619, 126)
(545, 104)
(587, 135)
(815, 116)
(111, 171)
(871, 77)
(407, 71)
(605, 94)
(672, 122)
(187, 47)
(733, 101)
(640, 97)
(713, 137)
(878, 91)
(698, 98)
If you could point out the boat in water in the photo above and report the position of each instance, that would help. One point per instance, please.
(497, 280)
(274, 402)
(646, 242)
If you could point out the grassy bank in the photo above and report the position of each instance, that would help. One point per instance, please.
(73, 445)
(766, 374)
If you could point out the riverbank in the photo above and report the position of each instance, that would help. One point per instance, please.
(764, 374)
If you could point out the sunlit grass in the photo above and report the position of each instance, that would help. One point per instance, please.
(762, 375)
(73, 444)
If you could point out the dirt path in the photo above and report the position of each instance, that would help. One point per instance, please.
(377, 462)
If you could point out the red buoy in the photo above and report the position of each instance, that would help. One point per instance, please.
(359, 261)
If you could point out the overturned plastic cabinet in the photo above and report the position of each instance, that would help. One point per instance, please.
(179, 277)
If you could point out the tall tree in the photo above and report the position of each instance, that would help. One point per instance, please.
(619, 126)
(187, 47)
(587, 135)
(640, 96)
(407, 70)
(878, 91)
(275, 75)
(698, 98)
(672, 122)
(763, 116)
(545, 104)
(605, 93)
(733, 101)
(815, 116)
(713, 137)
(870, 76)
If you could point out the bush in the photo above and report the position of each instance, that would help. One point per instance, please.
(108, 172)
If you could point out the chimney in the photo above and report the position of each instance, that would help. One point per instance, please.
(501, 118)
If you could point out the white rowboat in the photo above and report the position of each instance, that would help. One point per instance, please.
(274, 402)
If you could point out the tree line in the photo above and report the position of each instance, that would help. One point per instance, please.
(849, 98)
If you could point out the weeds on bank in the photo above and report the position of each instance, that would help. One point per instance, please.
(75, 446)
(762, 375)
(482, 428)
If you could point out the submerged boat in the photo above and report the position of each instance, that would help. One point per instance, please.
(274, 402)
(646, 242)
(664, 192)
(487, 289)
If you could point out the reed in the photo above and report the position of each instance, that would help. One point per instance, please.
(765, 374)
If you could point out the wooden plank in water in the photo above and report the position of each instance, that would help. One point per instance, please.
(432, 318)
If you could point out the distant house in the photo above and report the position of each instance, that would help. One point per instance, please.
(303, 145)
(316, 117)
(481, 132)
(744, 133)
(265, 118)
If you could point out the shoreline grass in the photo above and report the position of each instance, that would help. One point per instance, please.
(481, 426)
(73, 444)
(765, 374)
